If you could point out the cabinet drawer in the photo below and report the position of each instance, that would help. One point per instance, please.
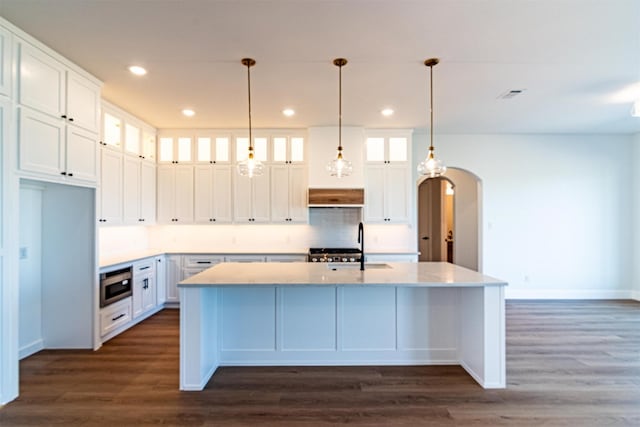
(144, 267)
(201, 261)
(115, 315)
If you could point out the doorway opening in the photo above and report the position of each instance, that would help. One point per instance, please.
(450, 219)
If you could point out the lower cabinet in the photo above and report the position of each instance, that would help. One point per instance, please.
(173, 267)
(114, 316)
(144, 287)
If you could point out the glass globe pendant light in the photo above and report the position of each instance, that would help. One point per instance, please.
(339, 167)
(432, 167)
(250, 166)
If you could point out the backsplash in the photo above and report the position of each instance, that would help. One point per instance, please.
(327, 227)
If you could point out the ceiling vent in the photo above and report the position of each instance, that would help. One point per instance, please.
(511, 93)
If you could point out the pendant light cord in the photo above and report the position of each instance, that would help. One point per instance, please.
(249, 92)
(430, 105)
(340, 108)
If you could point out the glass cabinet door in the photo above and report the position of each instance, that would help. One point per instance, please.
(112, 130)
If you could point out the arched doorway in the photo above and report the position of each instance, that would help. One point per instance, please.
(451, 223)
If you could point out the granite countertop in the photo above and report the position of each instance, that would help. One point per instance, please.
(431, 274)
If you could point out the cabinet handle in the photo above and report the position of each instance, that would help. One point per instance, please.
(69, 174)
(113, 319)
(63, 173)
(70, 119)
(203, 262)
(144, 268)
(64, 116)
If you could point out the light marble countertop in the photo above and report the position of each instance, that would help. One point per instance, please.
(133, 256)
(432, 274)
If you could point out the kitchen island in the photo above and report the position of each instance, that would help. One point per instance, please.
(428, 313)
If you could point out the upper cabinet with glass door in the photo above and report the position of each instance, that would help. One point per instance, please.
(149, 144)
(112, 129)
(387, 146)
(132, 139)
(213, 149)
(175, 147)
(288, 149)
(260, 148)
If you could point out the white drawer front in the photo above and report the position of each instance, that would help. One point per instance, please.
(115, 315)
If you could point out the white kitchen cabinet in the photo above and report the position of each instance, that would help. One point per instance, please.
(175, 148)
(144, 289)
(139, 191)
(132, 139)
(288, 149)
(387, 176)
(251, 198)
(46, 85)
(174, 275)
(147, 192)
(114, 316)
(161, 279)
(49, 147)
(213, 149)
(289, 193)
(5, 61)
(112, 129)
(385, 147)
(387, 191)
(175, 194)
(260, 148)
(213, 197)
(83, 102)
(41, 81)
(148, 144)
(194, 264)
(111, 173)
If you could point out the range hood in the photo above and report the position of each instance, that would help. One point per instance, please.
(336, 197)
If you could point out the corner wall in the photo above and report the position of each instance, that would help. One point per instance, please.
(557, 210)
(635, 186)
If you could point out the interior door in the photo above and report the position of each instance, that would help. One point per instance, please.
(431, 232)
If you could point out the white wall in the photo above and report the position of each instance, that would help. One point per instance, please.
(636, 216)
(557, 209)
(115, 240)
(30, 270)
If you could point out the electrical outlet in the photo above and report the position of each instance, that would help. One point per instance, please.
(23, 252)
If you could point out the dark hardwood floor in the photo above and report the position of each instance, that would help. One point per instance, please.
(569, 363)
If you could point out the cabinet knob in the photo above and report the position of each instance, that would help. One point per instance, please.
(64, 116)
(63, 173)
(69, 174)
(70, 119)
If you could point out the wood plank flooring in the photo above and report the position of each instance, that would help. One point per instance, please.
(569, 363)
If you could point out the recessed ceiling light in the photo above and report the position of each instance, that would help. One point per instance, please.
(288, 112)
(137, 70)
(189, 113)
(387, 112)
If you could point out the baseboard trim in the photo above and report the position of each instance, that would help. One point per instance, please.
(30, 349)
(569, 294)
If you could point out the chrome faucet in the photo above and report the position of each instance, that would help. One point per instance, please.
(361, 241)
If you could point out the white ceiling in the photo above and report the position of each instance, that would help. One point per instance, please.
(579, 60)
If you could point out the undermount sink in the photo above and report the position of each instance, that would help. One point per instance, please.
(356, 265)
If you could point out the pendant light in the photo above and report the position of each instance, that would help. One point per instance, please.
(432, 167)
(339, 167)
(250, 166)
